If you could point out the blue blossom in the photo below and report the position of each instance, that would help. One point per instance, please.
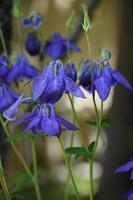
(3, 68)
(85, 76)
(7, 97)
(104, 78)
(33, 44)
(21, 69)
(43, 119)
(10, 113)
(127, 167)
(34, 19)
(71, 71)
(53, 82)
(108, 78)
(57, 46)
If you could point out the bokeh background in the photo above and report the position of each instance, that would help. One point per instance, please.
(112, 28)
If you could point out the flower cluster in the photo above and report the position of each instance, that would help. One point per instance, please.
(127, 167)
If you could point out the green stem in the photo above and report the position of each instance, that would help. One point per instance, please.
(77, 121)
(23, 162)
(38, 193)
(84, 143)
(3, 41)
(69, 157)
(19, 32)
(91, 179)
(99, 118)
(69, 168)
(3, 182)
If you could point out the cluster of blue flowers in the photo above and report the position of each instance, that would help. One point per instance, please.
(127, 167)
(49, 85)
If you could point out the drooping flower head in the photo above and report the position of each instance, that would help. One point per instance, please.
(53, 82)
(10, 102)
(21, 69)
(108, 78)
(85, 76)
(104, 78)
(10, 113)
(56, 47)
(7, 97)
(4, 69)
(34, 19)
(43, 119)
(71, 71)
(33, 44)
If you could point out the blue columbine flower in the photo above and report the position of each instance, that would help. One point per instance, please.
(43, 119)
(71, 71)
(10, 101)
(108, 78)
(33, 44)
(34, 19)
(10, 113)
(127, 167)
(21, 69)
(53, 82)
(7, 97)
(104, 78)
(85, 76)
(3, 68)
(57, 46)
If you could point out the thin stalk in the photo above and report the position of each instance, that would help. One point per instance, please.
(84, 143)
(69, 168)
(3, 41)
(19, 155)
(91, 180)
(4, 183)
(99, 119)
(19, 32)
(35, 169)
(69, 157)
(77, 121)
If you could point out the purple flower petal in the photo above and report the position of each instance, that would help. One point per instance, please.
(39, 84)
(125, 168)
(24, 117)
(10, 113)
(121, 79)
(72, 46)
(34, 121)
(73, 88)
(66, 124)
(27, 22)
(102, 86)
(50, 126)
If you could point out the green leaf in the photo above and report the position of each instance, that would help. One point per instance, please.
(86, 23)
(21, 180)
(91, 149)
(76, 150)
(105, 122)
(17, 136)
(17, 196)
(17, 8)
(92, 123)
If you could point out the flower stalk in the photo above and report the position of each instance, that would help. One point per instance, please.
(3, 182)
(69, 167)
